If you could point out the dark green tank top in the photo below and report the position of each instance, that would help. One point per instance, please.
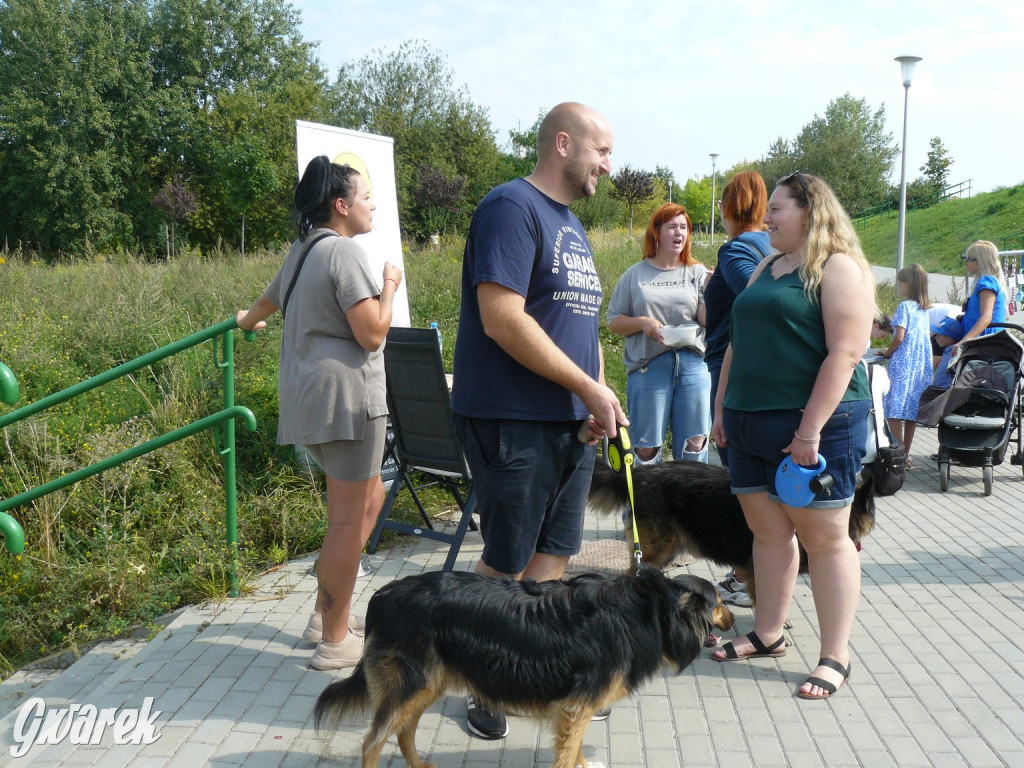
(778, 346)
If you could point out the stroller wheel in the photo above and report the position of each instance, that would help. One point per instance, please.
(986, 476)
(943, 475)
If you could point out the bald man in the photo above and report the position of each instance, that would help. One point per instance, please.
(529, 374)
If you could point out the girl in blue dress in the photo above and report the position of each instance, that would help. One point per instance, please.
(909, 354)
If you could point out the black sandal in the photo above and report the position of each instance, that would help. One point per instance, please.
(775, 650)
(829, 688)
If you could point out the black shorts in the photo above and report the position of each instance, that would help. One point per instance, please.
(531, 480)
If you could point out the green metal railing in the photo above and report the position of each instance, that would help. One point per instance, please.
(222, 337)
(924, 201)
(14, 536)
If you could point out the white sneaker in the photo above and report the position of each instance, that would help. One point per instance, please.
(734, 592)
(315, 628)
(366, 568)
(338, 655)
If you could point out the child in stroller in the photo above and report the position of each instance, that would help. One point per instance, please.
(981, 411)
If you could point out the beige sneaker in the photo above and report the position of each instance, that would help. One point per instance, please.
(338, 655)
(356, 624)
(314, 630)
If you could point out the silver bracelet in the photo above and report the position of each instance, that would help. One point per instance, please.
(807, 439)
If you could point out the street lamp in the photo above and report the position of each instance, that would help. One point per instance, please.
(714, 156)
(906, 71)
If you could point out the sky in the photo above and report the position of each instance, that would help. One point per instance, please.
(679, 79)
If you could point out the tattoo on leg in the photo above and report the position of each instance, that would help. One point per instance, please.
(328, 599)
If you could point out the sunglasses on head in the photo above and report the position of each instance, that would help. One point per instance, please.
(800, 179)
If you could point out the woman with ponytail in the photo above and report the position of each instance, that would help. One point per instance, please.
(331, 389)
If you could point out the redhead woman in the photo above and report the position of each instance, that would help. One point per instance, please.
(658, 305)
(742, 208)
(791, 386)
(331, 391)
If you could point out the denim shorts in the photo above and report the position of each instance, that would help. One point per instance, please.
(673, 391)
(531, 480)
(756, 440)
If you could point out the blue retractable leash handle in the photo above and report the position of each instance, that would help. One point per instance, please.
(620, 458)
(797, 486)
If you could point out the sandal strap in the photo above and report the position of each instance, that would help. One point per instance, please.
(833, 664)
(730, 650)
(823, 684)
(761, 647)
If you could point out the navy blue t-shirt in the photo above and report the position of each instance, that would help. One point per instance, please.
(525, 241)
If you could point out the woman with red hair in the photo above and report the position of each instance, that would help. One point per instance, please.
(658, 305)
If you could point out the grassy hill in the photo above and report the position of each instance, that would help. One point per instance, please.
(937, 236)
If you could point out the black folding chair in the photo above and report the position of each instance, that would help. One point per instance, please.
(424, 442)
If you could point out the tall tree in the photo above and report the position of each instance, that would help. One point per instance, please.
(668, 181)
(74, 110)
(696, 198)
(175, 201)
(228, 69)
(936, 167)
(247, 174)
(409, 95)
(849, 148)
(438, 199)
(522, 152)
(632, 186)
(779, 161)
(600, 210)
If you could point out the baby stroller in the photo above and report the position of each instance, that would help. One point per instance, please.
(982, 409)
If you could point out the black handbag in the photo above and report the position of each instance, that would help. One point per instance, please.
(889, 469)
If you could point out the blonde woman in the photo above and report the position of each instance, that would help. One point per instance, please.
(791, 385)
(987, 302)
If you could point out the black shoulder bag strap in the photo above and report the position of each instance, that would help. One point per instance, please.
(298, 268)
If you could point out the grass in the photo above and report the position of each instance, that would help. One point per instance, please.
(937, 236)
(122, 548)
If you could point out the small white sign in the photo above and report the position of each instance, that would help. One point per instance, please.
(374, 157)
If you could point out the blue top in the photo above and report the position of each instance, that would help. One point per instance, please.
(523, 240)
(737, 259)
(973, 311)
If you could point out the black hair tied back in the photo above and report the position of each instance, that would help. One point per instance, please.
(322, 183)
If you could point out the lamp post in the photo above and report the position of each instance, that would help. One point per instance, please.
(906, 71)
(714, 156)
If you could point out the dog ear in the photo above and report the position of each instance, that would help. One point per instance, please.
(685, 623)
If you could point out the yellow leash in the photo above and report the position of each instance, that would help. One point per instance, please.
(620, 459)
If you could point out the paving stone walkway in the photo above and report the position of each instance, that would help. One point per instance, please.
(938, 666)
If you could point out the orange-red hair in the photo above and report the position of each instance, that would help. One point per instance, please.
(744, 201)
(667, 212)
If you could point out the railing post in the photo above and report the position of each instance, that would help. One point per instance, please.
(14, 536)
(227, 366)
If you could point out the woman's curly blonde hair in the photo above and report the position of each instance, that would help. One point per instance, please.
(827, 229)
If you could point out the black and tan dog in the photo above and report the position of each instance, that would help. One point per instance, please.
(557, 649)
(687, 507)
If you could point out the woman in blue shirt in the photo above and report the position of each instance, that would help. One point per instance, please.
(987, 302)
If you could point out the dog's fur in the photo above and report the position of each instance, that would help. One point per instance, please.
(555, 649)
(687, 507)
